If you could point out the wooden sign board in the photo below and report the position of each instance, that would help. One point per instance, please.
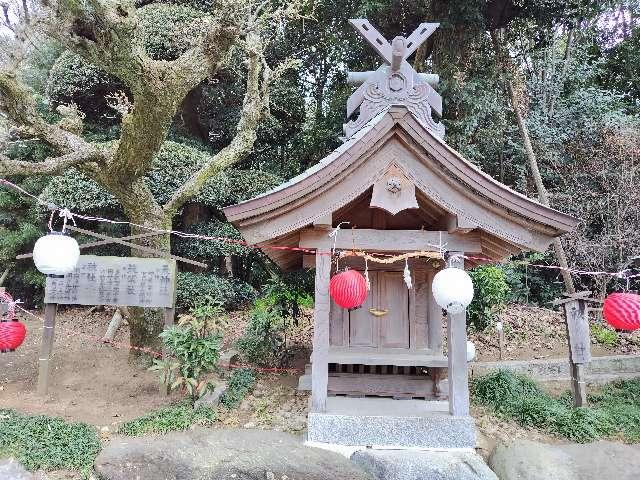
(126, 281)
(578, 331)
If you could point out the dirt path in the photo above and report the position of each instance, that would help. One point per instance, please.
(90, 381)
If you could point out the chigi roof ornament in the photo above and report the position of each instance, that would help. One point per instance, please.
(394, 83)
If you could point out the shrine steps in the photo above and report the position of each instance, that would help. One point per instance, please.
(389, 423)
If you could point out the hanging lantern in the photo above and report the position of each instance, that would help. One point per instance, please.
(56, 254)
(622, 311)
(471, 351)
(12, 335)
(348, 289)
(452, 289)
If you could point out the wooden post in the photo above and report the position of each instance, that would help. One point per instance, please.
(320, 370)
(500, 330)
(434, 320)
(577, 324)
(48, 334)
(457, 358)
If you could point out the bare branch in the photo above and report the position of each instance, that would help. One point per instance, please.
(50, 166)
(254, 108)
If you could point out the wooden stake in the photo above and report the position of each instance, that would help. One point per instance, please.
(48, 334)
(575, 312)
(500, 330)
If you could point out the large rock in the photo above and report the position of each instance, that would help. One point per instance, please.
(12, 470)
(423, 465)
(221, 455)
(527, 460)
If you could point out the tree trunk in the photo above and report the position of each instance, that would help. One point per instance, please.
(507, 68)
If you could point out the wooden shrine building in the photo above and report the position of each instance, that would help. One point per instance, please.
(379, 374)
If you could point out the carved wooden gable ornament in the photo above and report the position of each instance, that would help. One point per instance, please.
(394, 191)
(395, 82)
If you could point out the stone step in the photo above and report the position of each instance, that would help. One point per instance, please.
(422, 465)
(389, 423)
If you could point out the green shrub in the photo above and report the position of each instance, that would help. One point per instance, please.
(490, 297)
(74, 80)
(231, 293)
(48, 443)
(207, 249)
(169, 419)
(616, 409)
(240, 383)
(168, 30)
(287, 294)
(194, 345)
(604, 335)
(263, 343)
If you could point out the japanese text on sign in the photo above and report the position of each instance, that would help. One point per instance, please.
(130, 281)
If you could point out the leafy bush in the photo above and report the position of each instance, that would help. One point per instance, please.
(538, 286)
(78, 193)
(231, 293)
(490, 297)
(195, 347)
(206, 249)
(604, 335)
(615, 409)
(48, 443)
(169, 419)
(165, 29)
(287, 294)
(74, 80)
(240, 383)
(263, 343)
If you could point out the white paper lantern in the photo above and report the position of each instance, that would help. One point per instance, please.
(452, 289)
(56, 254)
(471, 351)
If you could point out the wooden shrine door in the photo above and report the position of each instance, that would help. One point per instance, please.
(383, 321)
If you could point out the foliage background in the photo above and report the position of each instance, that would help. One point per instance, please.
(577, 79)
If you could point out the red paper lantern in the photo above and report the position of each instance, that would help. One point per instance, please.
(348, 289)
(5, 297)
(622, 311)
(12, 335)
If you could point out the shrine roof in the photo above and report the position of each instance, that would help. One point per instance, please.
(443, 179)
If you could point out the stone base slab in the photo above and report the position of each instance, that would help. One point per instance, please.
(435, 430)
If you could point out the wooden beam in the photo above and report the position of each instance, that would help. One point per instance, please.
(324, 221)
(320, 372)
(434, 318)
(392, 240)
(141, 248)
(454, 224)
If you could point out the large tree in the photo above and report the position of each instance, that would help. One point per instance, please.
(108, 35)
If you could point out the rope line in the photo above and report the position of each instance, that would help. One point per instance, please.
(153, 353)
(372, 256)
